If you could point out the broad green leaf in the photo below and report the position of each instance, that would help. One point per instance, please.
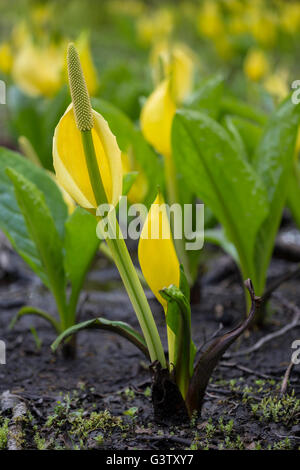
(250, 133)
(119, 327)
(208, 97)
(12, 220)
(273, 161)
(209, 160)
(217, 236)
(80, 246)
(231, 105)
(42, 229)
(293, 197)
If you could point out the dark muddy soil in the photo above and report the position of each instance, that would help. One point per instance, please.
(102, 399)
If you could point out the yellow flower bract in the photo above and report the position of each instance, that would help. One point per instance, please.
(70, 164)
(157, 117)
(156, 251)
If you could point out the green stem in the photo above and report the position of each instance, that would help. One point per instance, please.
(135, 292)
(93, 168)
(122, 258)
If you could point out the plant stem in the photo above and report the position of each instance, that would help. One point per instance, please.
(122, 258)
(135, 292)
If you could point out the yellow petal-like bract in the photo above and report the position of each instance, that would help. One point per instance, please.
(6, 58)
(157, 117)
(39, 70)
(178, 64)
(256, 65)
(156, 251)
(70, 164)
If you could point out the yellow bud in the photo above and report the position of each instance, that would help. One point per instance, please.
(156, 251)
(256, 65)
(157, 117)
(158, 259)
(39, 70)
(6, 58)
(178, 63)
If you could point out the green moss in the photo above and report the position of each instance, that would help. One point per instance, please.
(4, 434)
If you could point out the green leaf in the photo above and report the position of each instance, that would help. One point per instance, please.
(293, 196)
(119, 327)
(37, 312)
(80, 246)
(209, 160)
(128, 181)
(217, 236)
(273, 162)
(42, 229)
(249, 132)
(231, 105)
(12, 220)
(179, 321)
(208, 97)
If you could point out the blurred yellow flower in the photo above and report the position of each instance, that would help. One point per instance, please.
(155, 26)
(38, 70)
(290, 17)
(277, 84)
(157, 117)
(139, 188)
(264, 28)
(6, 58)
(178, 63)
(20, 34)
(157, 257)
(224, 47)
(89, 70)
(256, 64)
(70, 164)
(210, 21)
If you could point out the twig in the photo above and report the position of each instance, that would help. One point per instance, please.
(246, 369)
(295, 323)
(286, 378)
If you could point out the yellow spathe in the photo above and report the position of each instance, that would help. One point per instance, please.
(39, 70)
(70, 164)
(156, 251)
(6, 58)
(256, 65)
(178, 63)
(157, 117)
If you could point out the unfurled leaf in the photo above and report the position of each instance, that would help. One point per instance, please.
(43, 232)
(210, 161)
(273, 163)
(119, 327)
